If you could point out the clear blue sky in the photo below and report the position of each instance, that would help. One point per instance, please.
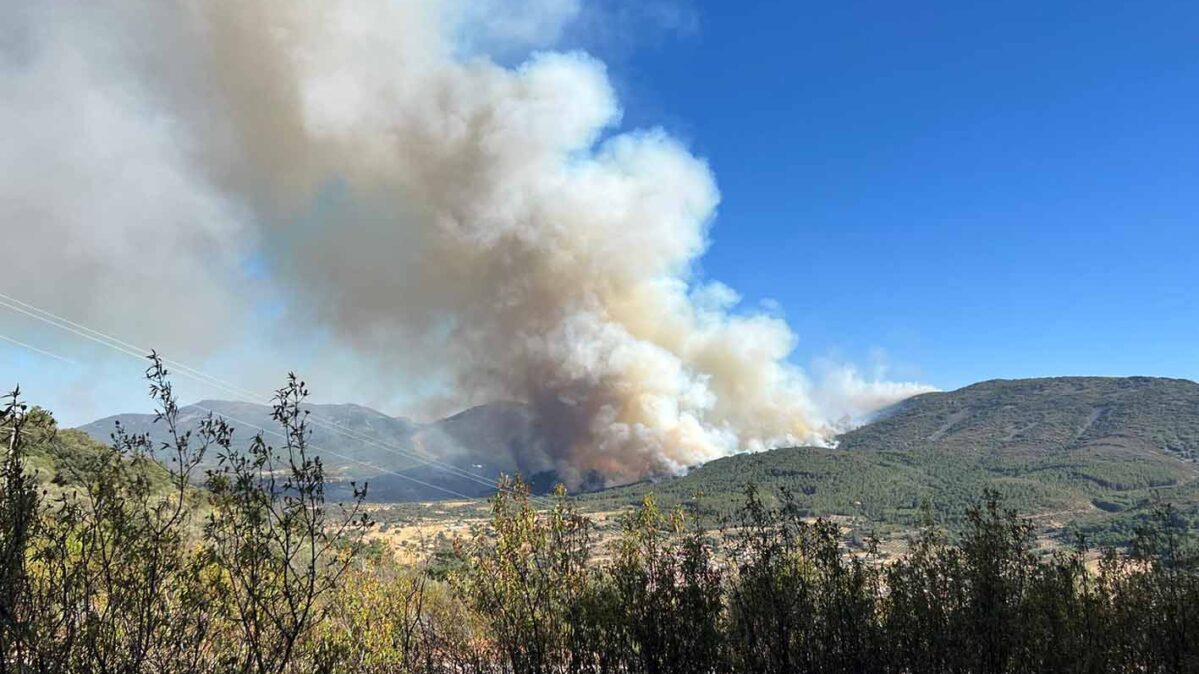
(981, 189)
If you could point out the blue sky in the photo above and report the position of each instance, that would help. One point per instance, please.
(959, 190)
(978, 189)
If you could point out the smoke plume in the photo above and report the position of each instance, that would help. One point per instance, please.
(428, 206)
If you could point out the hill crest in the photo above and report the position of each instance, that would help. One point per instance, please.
(1115, 433)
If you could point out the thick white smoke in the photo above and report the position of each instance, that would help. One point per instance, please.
(411, 195)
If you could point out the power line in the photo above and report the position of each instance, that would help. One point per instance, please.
(135, 351)
(194, 373)
(40, 352)
(320, 450)
(261, 429)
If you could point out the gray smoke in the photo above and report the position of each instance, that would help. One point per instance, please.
(430, 208)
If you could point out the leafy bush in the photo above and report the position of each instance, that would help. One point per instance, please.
(115, 576)
(134, 569)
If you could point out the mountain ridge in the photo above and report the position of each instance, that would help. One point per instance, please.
(1092, 450)
(1122, 435)
(360, 443)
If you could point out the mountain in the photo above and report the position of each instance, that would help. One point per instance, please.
(477, 445)
(1078, 449)
(371, 431)
(469, 450)
(1143, 416)
(1064, 448)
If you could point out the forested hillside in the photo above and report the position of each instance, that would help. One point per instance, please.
(1131, 417)
(1097, 452)
(63, 460)
(1093, 453)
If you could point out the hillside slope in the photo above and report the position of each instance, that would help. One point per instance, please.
(371, 432)
(391, 453)
(1060, 448)
(64, 459)
(1029, 417)
(1063, 449)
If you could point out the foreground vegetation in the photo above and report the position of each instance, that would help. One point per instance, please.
(131, 571)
